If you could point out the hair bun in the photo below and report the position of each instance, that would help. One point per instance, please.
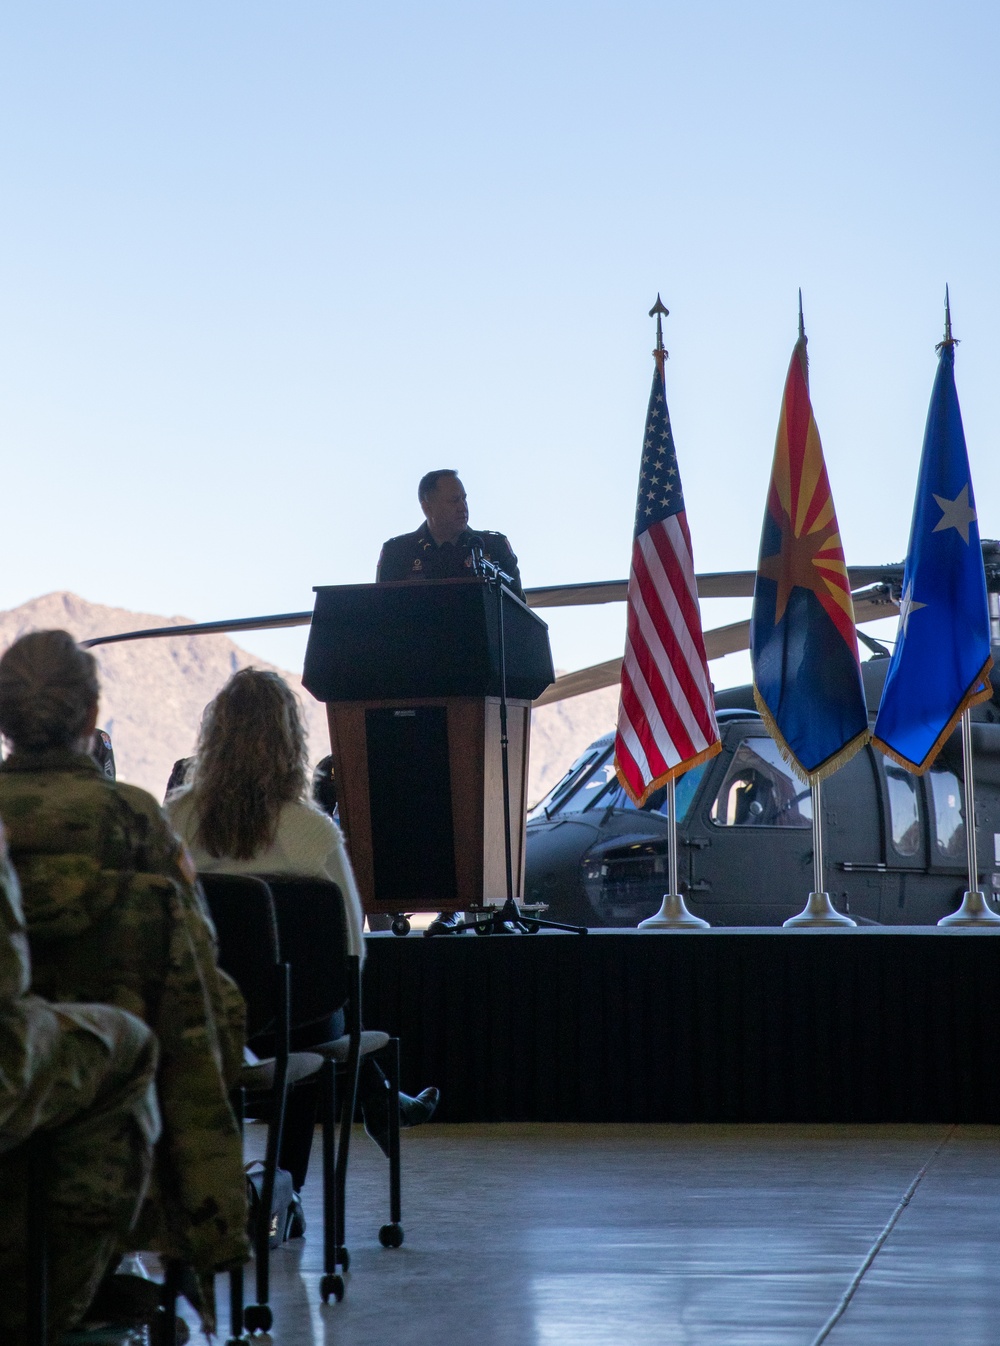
(48, 685)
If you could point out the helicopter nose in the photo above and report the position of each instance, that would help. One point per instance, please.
(552, 872)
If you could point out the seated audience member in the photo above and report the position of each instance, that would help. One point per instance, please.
(78, 1081)
(248, 812)
(114, 915)
(179, 775)
(324, 787)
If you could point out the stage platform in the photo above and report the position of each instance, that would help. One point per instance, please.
(860, 1026)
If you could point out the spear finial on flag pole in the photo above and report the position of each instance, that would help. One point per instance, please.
(660, 311)
(949, 340)
(802, 324)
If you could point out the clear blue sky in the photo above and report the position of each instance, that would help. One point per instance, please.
(261, 265)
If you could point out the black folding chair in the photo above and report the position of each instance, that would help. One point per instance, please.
(312, 938)
(243, 913)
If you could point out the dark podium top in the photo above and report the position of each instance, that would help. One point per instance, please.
(422, 638)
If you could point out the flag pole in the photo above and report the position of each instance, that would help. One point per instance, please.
(819, 910)
(673, 913)
(974, 909)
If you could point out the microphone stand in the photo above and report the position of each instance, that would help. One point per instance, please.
(509, 919)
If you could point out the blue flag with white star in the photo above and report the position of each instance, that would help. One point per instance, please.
(942, 655)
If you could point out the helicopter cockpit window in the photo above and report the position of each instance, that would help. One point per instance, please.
(591, 783)
(949, 824)
(904, 811)
(560, 793)
(684, 793)
(578, 789)
(760, 790)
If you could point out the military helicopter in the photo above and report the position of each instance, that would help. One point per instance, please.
(895, 843)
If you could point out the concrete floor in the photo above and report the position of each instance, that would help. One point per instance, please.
(673, 1235)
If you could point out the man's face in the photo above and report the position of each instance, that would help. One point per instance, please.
(446, 510)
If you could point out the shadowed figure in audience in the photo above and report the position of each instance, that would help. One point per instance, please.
(77, 1080)
(248, 811)
(114, 915)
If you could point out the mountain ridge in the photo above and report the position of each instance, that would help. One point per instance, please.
(153, 692)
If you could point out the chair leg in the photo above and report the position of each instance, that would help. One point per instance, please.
(347, 1106)
(238, 1101)
(391, 1235)
(37, 1249)
(262, 1234)
(171, 1290)
(236, 1334)
(331, 1282)
(258, 1317)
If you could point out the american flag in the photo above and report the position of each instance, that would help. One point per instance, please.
(666, 716)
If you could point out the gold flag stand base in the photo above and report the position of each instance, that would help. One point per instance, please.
(973, 911)
(673, 915)
(818, 911)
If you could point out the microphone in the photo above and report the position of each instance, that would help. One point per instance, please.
(476, 554)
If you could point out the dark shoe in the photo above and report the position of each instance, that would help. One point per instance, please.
(445, 923)
(158, 1331)
(295, 1219)
(126, 1301)
(414, 1111)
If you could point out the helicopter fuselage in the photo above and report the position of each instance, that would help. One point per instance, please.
(894, 843)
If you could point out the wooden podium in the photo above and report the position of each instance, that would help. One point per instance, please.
(410, 674)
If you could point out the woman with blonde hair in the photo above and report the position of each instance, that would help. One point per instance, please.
(247, 810)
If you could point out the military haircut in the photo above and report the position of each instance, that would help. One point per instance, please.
(428, 482)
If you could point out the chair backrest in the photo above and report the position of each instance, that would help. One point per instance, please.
(243, 913)
(312, 939)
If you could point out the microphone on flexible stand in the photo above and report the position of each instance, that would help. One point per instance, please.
(476, 554)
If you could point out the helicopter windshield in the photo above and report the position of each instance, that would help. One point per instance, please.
(591, 783)
(578, 773)
(760, 790)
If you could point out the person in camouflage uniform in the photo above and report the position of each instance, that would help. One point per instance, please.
(114, 914)
(78, 1081)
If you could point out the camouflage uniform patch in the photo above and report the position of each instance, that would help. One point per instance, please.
(76, 1081)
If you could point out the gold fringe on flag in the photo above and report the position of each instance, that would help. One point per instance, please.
(824, 769)
(979, 690)
(667, 776)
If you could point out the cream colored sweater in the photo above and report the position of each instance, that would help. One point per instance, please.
(307, 842)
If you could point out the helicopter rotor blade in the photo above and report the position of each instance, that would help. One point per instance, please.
(871, 605)
(715, 584)
(274, 623)
(723, 584)
(576, 595)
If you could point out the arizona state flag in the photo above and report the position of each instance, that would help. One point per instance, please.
(806, 671)
(942, 655)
